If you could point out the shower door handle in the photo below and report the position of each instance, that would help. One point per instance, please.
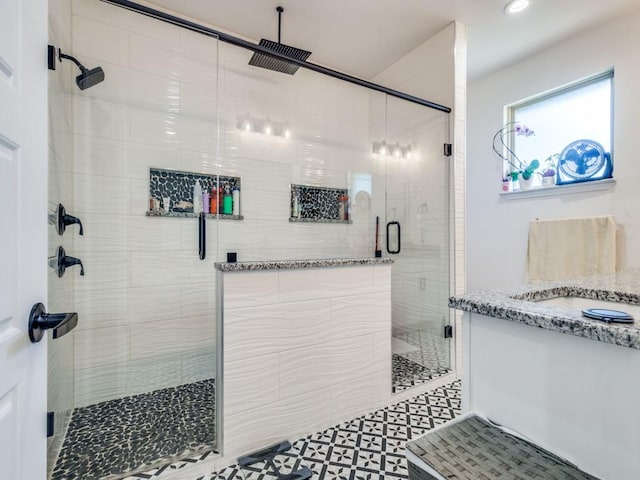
(202, 236)
(389, 225)
(40, 320)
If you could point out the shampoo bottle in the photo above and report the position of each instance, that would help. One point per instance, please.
(227, 201)
(295, 208)
(213, 207)
(197, 197)
(205, 202)
(235, 193)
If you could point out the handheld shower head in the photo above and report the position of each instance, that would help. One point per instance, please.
(87, 78)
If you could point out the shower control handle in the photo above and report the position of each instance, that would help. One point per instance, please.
(64, 261)
(40, 321)
(64, 220)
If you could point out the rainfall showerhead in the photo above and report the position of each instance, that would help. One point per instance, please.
(264, 60)
(88, 77)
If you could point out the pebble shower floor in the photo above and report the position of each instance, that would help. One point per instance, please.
(109, 439)
(370, 447)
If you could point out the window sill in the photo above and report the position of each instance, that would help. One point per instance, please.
(558, 190)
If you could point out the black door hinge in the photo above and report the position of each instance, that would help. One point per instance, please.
(50, 421)
(448, 331)
(448, 149)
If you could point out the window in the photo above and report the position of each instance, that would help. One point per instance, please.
(581, 111)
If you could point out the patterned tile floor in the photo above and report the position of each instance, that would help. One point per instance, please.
(370, 447)
(408, 374)
(365, 448)
(429, 360)
(108, 439)
(375, 442)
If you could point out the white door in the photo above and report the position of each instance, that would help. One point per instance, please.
(23, 236)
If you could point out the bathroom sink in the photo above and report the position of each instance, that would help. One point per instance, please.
(579, 303)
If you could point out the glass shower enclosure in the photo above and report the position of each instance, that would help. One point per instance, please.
(300, 166)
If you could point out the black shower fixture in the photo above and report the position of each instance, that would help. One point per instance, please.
(87, 78)
(272, 63)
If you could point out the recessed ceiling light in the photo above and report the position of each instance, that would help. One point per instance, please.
(516, 6)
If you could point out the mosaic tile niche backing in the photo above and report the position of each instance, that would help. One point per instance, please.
(316, 203)
(178, 186)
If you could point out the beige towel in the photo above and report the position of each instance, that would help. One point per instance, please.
(571, 248)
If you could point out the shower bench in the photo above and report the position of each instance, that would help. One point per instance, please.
(472, 448)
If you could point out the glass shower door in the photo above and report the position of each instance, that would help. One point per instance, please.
(142, 358)
(417, 237)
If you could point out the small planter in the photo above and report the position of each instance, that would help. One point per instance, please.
(549, 181)
(526, 183)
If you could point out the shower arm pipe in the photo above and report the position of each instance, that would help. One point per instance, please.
(239, 42)
(73, 59)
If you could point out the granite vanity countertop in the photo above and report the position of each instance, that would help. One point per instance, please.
(519, 305)
(295, 264)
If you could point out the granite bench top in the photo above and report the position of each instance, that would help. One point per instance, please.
(296, 264)
(519, 305)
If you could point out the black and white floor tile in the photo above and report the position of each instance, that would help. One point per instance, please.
(427, 361)
(109, 439)
(371, 447)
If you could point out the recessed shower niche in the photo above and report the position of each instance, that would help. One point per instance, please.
(319, 204)
(171, 194)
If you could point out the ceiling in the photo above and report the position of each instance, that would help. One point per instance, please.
(363, 37)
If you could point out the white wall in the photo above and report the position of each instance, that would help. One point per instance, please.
(330, 142)
(497, 230)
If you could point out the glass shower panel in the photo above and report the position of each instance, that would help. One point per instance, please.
(301, 146)
(60, 352)
(144, 348)
(417, 230)
(318, 160)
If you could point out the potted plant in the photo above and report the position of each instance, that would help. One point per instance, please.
(549, 170)
(520, 170)
(526, 174)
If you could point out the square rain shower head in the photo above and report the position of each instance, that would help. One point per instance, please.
(266, 61)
